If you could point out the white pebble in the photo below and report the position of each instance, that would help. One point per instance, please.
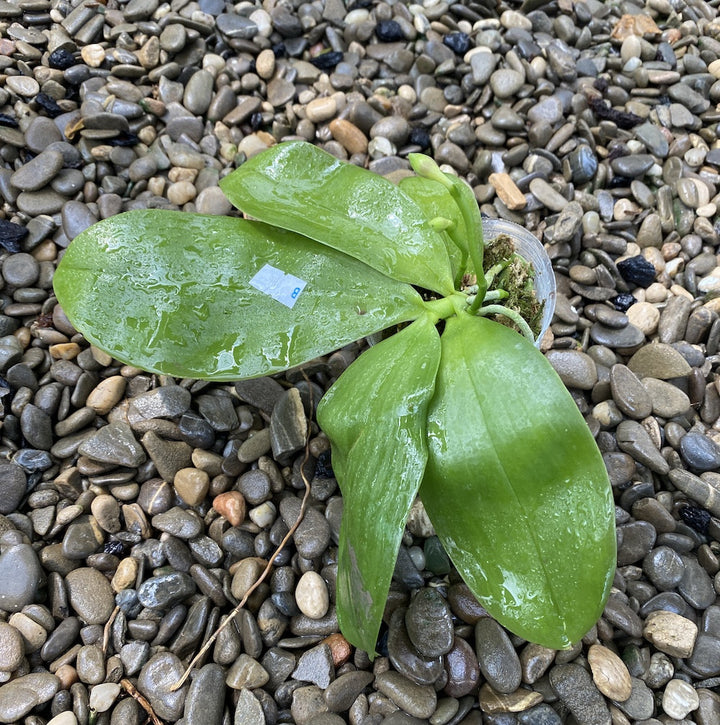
(679, 699)
(263, 515)
(707, 210)
(311, 595)
(711, 283)
(674, 266)
(262, 19)
(181, 192)
(212, 201)
(656, 292)
(93, 55)
(213, 63)
(381, 146)
(64, 718)
(645, 316)
(22, 85)
(103, 696)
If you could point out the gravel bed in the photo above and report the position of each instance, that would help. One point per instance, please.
(136, 510)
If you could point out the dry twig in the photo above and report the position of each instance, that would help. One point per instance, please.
(144, 704)
(108, 627)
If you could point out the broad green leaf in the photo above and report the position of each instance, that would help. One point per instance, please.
(516, 487)
(436, 201)
(173, 293)
(375, 418)
(300, 187)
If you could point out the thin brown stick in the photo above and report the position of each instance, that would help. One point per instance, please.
(263, 576)
(144, 704)
(108, 627)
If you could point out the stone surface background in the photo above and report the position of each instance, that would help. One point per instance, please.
(135, 510)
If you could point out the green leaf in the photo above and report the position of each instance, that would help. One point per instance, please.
(171, 292)
(436, 201)
(300, 187)
(516, 487)
(375, 418)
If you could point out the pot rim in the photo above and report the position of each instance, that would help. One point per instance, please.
(528, 246)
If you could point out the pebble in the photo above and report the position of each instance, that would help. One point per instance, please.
(312, 596)
(205, 702)
(634, 439)
(246, 672)
(670, 633)
(576, 369)
(705, 657)
(288, 426)
(498, 661)
(39, 171)
(506, 82)
(492, 702)
(408, 661)
(106, 395)
(20, 270)
(463, 671)
(20, 577)
(114, 443)
(609, 673)
(168, 401)
(679, 699)
(164, 591)
(629, 394)
(316, 666)
(668, 401)
(664, 567)
(12, 649)
(659, 360)
(429, 624)
(313, 534)
(574, 686)
(342, 692)
(700, 452)
(21, 695)
(90, 595)
(418, 701)
(248, 710)
(13, 483)
(156, 680)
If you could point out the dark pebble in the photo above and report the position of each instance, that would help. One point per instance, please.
(429, 623)
(700, 452)
(162, 592)
(637, 271)
(389, 31)
(11, 235)
(457, 42)
(463, 671)
(13, 482)
(61, 59)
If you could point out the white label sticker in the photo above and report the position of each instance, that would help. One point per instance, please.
(285, 288)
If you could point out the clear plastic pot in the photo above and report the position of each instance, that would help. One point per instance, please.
(528, 246)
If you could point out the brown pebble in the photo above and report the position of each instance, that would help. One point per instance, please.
(493, 702)
(508, 191)
(231, 505)
(106, 395)
(340, 648)
(64, 350)
(349, 135)
(67, 675)
(609, 672)
(191, 485)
